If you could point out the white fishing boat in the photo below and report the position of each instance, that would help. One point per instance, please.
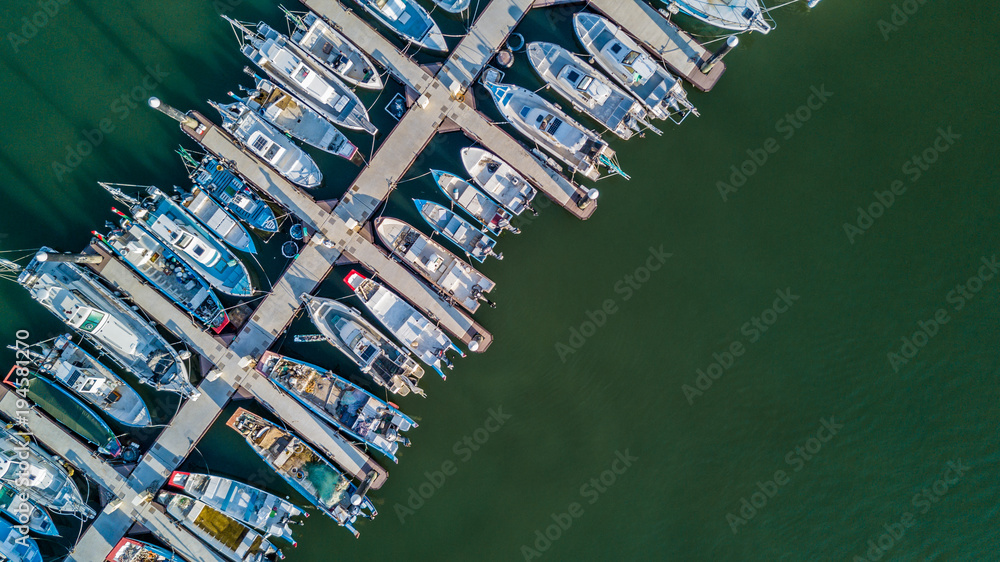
(215, 218)
(269, 144)
(486, 211)
(77, 298)
(84, 375)
(476, 243)
(226, 535)
(285, 113)
(452, 277)
(549, 127)
(31, 471)
(588, 90)
(410, 328)
(333, 50)
(372, 351)
(738, 15)
(290, 66)
(265, 512)
(409, 20)
(498, 179)
(628, 64)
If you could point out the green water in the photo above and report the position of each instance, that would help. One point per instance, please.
(618, 390)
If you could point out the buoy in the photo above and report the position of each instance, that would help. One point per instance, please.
(505, 58)
(297, 232)
(289, 249)
(515, 42)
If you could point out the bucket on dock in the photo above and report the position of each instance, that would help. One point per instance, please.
(297, 232)
(505, 58)
(289, 249)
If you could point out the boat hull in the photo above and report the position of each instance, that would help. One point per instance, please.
(335, 52)
(498, 179)
(471, 240)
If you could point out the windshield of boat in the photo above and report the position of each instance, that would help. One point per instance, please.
(301, 73)
(630, 57)
(584, 83)
(93, 319)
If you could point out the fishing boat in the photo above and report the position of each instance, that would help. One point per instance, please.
(230, 191)
(498, 179)
(65, 408)
(16, 546)
(268, 143)
(738, 15)
(81, 373)
(454, 279)
(131, 550)
(78, 299)
(175, 227)
(488, 212)
(218, 220)
(409, 20)
(628, 64)
(473, 241)
(411, 328)
(548, 126)
(288, 115)
(343, 405)
(159, 265)
(263, 511)
(453, 6)
(305, 470)
(374, 353)
(290, 66)
(19, 509)
(229, 537)
(335, 52)
(588, 90)
(25, 467)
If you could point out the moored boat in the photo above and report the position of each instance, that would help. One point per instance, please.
(290, 66)
(65, 408)
(131, 550)
(284, 112)
(229, 190)
(409, 20)
(305, 470)
(259, 509)
(488, 212)
(410, 328)
(77, 298)
(83, 374)
(628, 64)
(213, 217)
(175, 226)
(16, 546)
(453, 278)
(548, 126)
(498, 179)
(229, 537)
(738, 15)
(19, 509)
(269, 144)
(351, 409)
(334, 51)
(161, 267)
(374, 353)
(25, 467)
(470, 239)
(587, 89)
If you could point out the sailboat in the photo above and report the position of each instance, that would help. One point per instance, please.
(132, 550)
(628, 64)
(229, 537)
(498, 179)
(79, 300)
(31, 471)
(486, 211)
(473, 241)
(409, 20)
(333, 50)
(411, 328)
(269, 144)
(349, 408)
(291, 67)
(372, 351)
(229, 190)
(738, 15)
(452, 277)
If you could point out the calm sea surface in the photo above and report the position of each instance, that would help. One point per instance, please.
(776, 342)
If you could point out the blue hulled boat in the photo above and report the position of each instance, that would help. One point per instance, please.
(231, 192)
(472, 240)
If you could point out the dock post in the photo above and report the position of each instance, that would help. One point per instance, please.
(731, 44)
(69, 258)
(176, 115)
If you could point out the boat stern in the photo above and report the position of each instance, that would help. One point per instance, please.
(354, 279)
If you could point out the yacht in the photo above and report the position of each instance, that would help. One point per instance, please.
(738, 15)
(492, 215)
(31, 471)
(333, 50)
(409, 20)
(229, 537)
(498, 179)
(473, 241)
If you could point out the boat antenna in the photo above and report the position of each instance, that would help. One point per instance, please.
(237, 27)
(293, 17)
(113, 189)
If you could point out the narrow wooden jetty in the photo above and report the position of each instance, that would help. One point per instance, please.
(678, 50)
